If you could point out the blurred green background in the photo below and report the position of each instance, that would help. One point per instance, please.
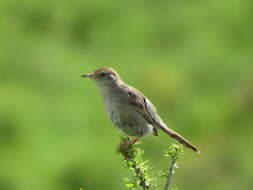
(193, 59)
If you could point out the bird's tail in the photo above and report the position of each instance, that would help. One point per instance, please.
(178, 137)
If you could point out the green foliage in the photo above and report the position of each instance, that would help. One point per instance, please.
(174, 188)
(140, 170)
(174, 152)
(132, 158)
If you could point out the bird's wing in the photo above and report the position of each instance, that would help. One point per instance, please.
(142, 105)
(147, 111)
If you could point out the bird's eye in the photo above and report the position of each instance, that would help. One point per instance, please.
(102, 74)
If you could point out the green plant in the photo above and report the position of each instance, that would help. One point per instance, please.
(132, 158)
(139, 168)
(174, 152)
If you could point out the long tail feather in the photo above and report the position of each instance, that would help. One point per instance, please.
(178, 137)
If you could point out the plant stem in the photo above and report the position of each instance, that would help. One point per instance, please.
(140, 175)
(132, 157)
(169, 176)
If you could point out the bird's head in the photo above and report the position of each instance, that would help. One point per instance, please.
(104, 76)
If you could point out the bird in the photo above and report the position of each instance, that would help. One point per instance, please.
(129, 109)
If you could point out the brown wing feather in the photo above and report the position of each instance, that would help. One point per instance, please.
(138, 99)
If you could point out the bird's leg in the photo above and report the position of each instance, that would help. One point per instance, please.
(134, 140)
(131, 141)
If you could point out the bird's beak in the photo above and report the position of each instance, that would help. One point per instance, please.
(89, 75)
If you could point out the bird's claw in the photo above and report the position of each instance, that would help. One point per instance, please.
(129, 142)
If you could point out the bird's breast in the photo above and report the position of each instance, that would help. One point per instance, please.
(114, 110)
(118, 109)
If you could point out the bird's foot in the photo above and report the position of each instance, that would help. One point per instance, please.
(129, 142)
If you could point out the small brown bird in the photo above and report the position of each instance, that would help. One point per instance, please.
(129, 109)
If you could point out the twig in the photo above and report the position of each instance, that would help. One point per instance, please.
(174, 152)
(143, 182)
(132, 157)
(169, 176)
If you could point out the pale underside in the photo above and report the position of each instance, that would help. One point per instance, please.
(127, 112)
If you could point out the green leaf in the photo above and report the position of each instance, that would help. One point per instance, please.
(130, 185)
